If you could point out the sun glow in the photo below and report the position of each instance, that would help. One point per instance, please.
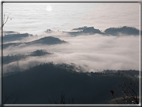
(49, 8)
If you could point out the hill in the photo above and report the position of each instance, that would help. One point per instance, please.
(48, 83)
(11, 58)
(44, 41)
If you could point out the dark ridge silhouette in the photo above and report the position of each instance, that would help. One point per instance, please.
(10, 32)
(43, 82)
(45, 41)
(9, 58)
(13, 37)
(110, 31)
(39, 53)
(124, 30)
(48, 40)
(48, 31)
(10, 44)
(85, 30)
(12, 58)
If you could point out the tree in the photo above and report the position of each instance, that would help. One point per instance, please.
(130, 92)
(5, 19)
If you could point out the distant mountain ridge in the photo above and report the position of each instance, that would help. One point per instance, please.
(12, 58)
(85, 29)
(110, 31)
(45, 41)
(124, 30)
(48, 40)
(12, 36)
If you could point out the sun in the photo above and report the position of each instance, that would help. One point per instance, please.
(49, 8)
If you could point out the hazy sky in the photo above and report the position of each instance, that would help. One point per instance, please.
(35, 17)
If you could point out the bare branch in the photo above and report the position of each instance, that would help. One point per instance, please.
(4, 22)
(7, 98)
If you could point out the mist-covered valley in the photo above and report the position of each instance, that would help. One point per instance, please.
(91, 49)
(83, 65)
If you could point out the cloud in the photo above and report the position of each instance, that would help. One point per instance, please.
(94, 52)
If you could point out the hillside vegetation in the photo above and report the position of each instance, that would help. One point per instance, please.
(46, 83)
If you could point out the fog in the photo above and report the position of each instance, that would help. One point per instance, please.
(94, 52)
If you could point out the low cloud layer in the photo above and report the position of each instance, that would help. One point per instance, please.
(93, 52)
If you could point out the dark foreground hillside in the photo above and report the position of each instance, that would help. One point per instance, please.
(49, 83)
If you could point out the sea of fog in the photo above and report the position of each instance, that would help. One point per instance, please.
(93, 52)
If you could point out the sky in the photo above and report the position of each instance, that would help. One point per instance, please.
(34, 18)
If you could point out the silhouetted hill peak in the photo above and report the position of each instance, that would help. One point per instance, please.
(85, 30)
(39, 53)
(11, 58)
(45, 40)
(14, 37)
(110, 31)
(48, 31)
(48, 40)
(124, 30)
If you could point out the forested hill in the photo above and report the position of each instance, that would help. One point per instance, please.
(48, 83)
